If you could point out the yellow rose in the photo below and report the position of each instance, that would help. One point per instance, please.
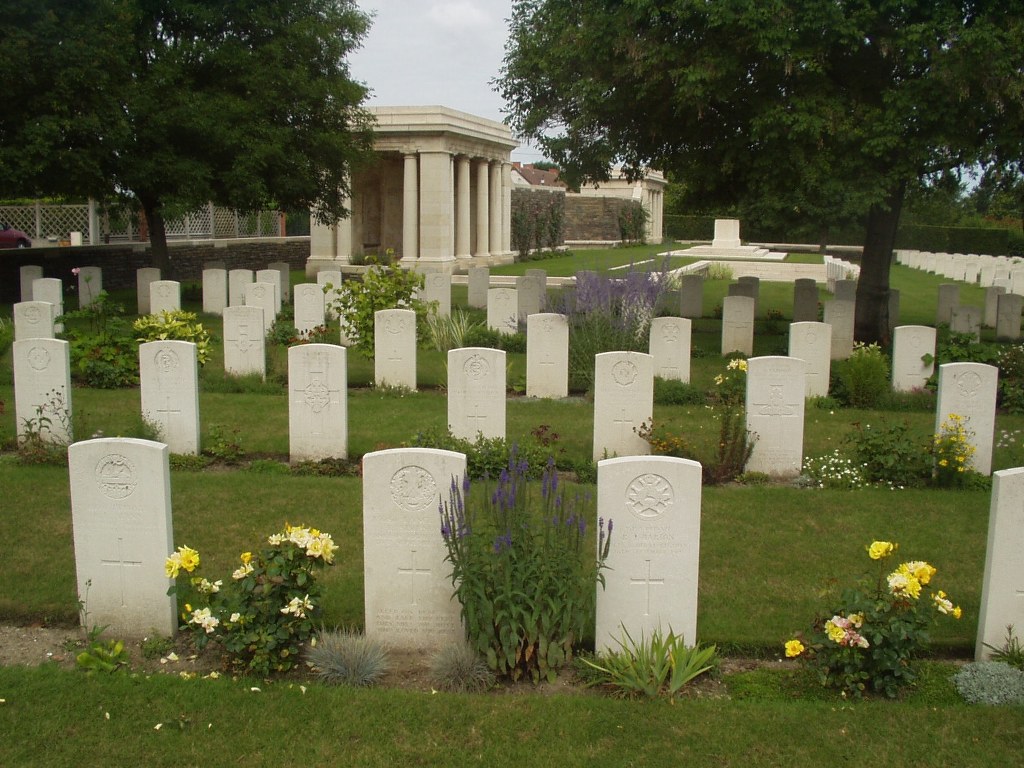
(189, 558)
(172, 565)
(957, 612)
(794, 648)
(880, 549)
(246, 557)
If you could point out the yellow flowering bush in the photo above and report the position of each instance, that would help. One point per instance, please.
(264, 614)
(876, 628)
(953, 452)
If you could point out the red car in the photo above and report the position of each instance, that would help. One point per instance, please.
(13, 238)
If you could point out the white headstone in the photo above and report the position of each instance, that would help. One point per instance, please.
(318, 402)
(479, 284)
(42, 389)
(273, 277)
(476, 392)
(1008, 311)
(52, 290)
(530, 295)
(238, 280)
(121, 514)
(33, 320)
(805, 300)
(169, 382)
(775, 413)
(653, 506)
(331, 278)
(244, 341)
(623, 401)
(144, 277)
(840, 315)
(310, 309)
(264, 296)
(164, 296)
(949, 299)
(1002, 589)
(691, 296)
(547, 355)
(28, 274)
(969, 390)
(738, 325)
(992, 294)
(812, 343)
(406, 579)
(90, 283)
(215, 291)
(283, 269)
(966, 319)
(670, 347)
(910, 344)
(394, 348)
(437, 286)
(503, 310)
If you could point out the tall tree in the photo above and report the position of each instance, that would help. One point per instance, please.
(825, 109)
(174, 103)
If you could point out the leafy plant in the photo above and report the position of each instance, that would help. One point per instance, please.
(890, 454)
(382, 287)
(523, 573)
(446, 332)
(662, 664)
(862, 380)
(952, 451)
(348, 658)
(1010, 652)
(176, 325)
(833, 470)
(102, 656)
(263, 616)
(460, 669)
(633, 219)
(6, 334)
(488, 456)
(42, 439)
(224, 446)
(877, 628)
(101, 348)
(156, 646)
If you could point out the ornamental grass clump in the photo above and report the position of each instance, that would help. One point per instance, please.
(347, 658)
(267, 611)
(524, 571)
(876, 628)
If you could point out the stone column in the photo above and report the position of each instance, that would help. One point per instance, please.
(506, 208)
(436, 210)
(462, 230)
(496, 207)
(410, 210)
(482, 212)
(343, 236)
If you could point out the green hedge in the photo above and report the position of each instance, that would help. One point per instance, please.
(678, 227)
(922, 237)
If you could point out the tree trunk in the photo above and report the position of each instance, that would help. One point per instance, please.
(871, 321)
(159, 254)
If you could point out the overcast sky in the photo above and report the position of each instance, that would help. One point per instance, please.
(446, 52)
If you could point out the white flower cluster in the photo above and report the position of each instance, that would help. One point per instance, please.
(298, 606)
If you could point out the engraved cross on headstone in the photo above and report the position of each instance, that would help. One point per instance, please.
(123, 564)
(167, 413)
(647, 582)
(625, 425)
(412, 572)
(476, 418)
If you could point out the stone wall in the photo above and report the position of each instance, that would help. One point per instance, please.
(119, 261)
(592, 218)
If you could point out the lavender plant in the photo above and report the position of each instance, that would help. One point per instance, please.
(610, 315)
(523, 572)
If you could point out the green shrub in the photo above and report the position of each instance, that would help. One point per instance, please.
(877, 628)
(266, 612)
(177, 325)
(382, 287)
(102, 351)
(890, 454)
(862, 380)
(6, 334)
(833, 470)
(990, 682)
(488, 456)
(524, 573)
(660, 665)
(348, 658)
(674, 392)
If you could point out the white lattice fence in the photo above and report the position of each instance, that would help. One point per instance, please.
(46, 221)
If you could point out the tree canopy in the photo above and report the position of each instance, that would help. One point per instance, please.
(823, 110)
(174, 103)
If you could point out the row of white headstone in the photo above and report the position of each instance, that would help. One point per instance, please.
(123, 531)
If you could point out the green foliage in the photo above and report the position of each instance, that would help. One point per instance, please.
(383, 287)
(665, 443)
(1010, 652)
(952, 451)
(264, 614)
(633, 219)
(224, 445)
(992, 683)
(833, 470)
(460, 669)
(523, 572)
(156, 646)
(6, 334)
(890, 454)
(445, 332)
(100, 655)
(862, 380)
(176, 325)
(282, 333)
(488, 456)
(877, 628)
(660, 665)
(348, 658)
(479, 335)
(673, 392)
(38, 443)
(102, 351)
